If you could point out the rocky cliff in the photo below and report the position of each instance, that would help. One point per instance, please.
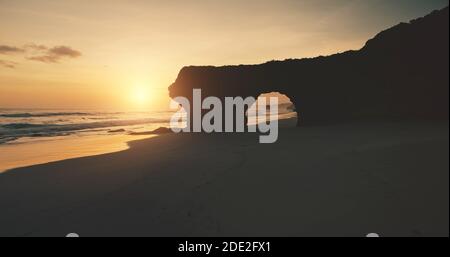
(402, 72)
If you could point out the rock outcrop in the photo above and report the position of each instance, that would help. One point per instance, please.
(402, 72)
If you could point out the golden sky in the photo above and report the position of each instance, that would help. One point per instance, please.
(78, 54)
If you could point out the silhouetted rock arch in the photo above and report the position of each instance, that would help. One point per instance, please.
(402, 72)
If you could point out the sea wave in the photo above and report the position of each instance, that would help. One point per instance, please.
(45, 114)
(32, 130)
(7, 139)
(22, 125)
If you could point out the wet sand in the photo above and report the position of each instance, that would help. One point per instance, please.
(47, 150)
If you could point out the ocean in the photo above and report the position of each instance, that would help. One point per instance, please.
(31, 137)
(22, 126)
(29, 125)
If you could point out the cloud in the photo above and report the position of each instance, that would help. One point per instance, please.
(39, 53)
(44, 58)
(4, 49)
(54, 54)
(8, 64)
(35, 47)
(65, 51)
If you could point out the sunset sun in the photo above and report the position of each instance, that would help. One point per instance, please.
(140, 96)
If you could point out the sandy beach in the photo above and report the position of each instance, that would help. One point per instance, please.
(345, 179)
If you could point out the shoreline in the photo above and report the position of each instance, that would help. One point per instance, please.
(53, 149)
(345, 179)
(23, 155)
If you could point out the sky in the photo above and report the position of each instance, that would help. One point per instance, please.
(117, 55)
